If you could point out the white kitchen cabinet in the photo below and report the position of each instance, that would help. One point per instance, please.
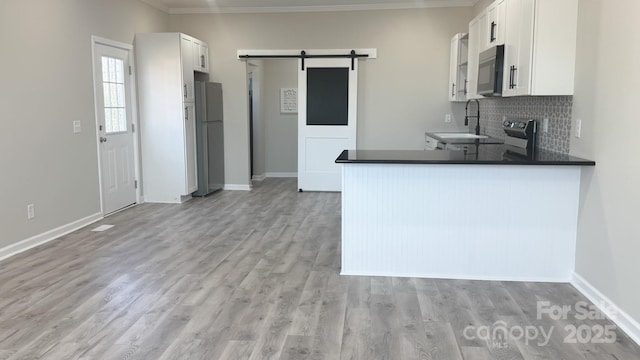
(494, 28)
(191, 170)
(482, 33)
(491, 25)
(200, 56)
(186, 51)
(165, 74)
(458, 68)
(540, 47)
(472, 67)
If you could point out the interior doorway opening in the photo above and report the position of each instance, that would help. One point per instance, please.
(273, 133)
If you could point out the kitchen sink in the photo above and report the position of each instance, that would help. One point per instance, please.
(459, 136)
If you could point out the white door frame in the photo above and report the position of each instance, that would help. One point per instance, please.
(95, 40)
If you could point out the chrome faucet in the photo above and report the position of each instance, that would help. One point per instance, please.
(477, 117)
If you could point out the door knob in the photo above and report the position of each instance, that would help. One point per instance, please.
(103, 139)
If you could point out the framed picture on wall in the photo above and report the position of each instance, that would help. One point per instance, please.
(289, 100)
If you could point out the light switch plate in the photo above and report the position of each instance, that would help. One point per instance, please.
(77, 128)
(545, 125)
(447, 118)
(578, 128)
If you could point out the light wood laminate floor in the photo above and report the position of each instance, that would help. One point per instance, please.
(255, 275)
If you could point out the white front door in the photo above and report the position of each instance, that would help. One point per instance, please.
(327, 120)
(112, 84)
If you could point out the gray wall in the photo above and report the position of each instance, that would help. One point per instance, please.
(606, 100)
(401, 94)
(281, 130)
(46, 83)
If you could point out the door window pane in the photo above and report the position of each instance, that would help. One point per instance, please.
(328, 96)
(115, 115)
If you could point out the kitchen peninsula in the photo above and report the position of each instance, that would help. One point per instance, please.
(491, 213)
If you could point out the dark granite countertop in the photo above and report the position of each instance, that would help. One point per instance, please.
(476, 155)
(459, 141)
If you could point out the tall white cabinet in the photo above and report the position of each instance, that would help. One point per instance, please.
(166, 71)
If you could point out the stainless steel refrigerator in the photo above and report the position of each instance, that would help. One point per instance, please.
(209, 137)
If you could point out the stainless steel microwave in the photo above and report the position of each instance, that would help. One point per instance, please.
(490, 71)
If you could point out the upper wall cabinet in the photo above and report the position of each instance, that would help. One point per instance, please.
(491, 25)
(472, 67)
(485, 30)
(200, 56)
(458, 68)
(540, 47)
(494, 28)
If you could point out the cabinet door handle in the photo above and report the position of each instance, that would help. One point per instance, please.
(512, 77)
(453, 90)
(186, 113)
(202, 60)
(185, 91)
(493, 31)
(465, 86)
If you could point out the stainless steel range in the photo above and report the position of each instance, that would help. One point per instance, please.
(521, 138)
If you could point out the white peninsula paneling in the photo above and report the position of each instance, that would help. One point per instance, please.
(460, 221)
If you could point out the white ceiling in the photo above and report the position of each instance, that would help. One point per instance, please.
(258, 6)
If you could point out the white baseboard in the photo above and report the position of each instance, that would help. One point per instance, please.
(259, 177)
(282, 174)
(628, 324)
(238, 187)
(456, 276)
(45, 237)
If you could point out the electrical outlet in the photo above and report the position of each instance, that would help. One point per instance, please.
(31, 211)
(545, 125)
(77, 127)
(447, 118)
(578, 128)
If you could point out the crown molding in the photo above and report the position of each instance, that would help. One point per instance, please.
(160, 7)
(297, 9)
